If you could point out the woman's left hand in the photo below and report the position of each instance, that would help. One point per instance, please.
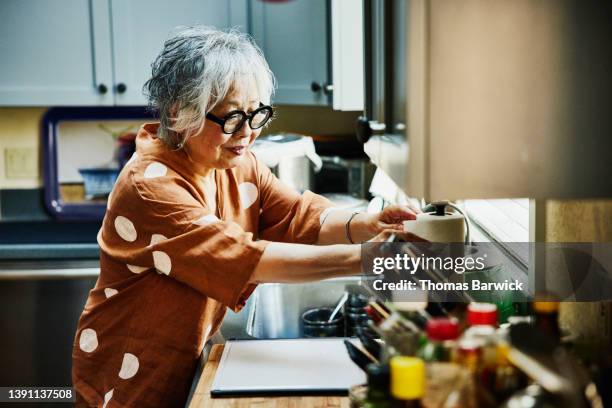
(392, 218)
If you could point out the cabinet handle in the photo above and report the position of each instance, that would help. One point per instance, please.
(317, 87)
(121, 87)
(102, 89)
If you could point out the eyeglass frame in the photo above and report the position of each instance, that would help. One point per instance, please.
(245, 117)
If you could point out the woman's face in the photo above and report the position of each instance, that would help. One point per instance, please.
(213, 149)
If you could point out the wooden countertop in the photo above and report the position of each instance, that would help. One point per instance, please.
(202, 399)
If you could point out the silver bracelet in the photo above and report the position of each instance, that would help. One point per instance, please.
(347, 227)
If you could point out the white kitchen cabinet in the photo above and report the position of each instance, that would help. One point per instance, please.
(140, 28)
(48, 57)
(93, 52)
(314, 48)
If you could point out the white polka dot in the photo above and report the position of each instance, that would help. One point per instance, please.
(125, 229)
(155, 169)
(129, 366)
(107, 397)
(325, 214)
(137, 269)
(207, 219)
(156, 239)
(248, 194)
(162, 262)
(88, 341)
(110, 292)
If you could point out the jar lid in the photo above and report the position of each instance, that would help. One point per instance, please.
(442, 329)
(482, 314)
(407, 378)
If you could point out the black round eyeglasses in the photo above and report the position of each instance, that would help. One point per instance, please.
(233, 121)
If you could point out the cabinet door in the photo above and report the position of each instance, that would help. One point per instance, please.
(55, 53)
(140, 28)
(294, 38)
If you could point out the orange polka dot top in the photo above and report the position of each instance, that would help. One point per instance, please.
(170, 268)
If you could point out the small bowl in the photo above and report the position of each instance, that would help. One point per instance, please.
(315, 323)
(98, 181)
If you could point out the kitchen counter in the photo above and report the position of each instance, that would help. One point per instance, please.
(446, 382)
(201, 397)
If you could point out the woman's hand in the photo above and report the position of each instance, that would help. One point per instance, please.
(364, 226)
(391, 218)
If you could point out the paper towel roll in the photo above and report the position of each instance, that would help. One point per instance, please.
(438, 228)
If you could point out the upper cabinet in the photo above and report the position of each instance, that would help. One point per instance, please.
(48, 54)
(140, 28)
(314, 48)
(98, 52)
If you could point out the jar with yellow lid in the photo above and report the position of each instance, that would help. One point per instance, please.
(407, 381)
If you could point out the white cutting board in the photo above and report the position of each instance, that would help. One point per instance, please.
(297, 366)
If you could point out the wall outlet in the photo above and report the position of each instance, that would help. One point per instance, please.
(21, 163)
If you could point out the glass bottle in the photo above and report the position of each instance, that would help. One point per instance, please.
(547, 318)
(442, 334)
(379, 379)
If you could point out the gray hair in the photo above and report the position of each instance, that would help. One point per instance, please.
(194, 72)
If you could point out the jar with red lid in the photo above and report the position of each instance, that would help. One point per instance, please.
(442, 334)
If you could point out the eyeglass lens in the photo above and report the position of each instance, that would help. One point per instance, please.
(235, 121)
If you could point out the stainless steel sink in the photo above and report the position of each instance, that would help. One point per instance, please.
(276, 308)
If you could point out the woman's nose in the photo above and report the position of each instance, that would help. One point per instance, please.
(245, 130)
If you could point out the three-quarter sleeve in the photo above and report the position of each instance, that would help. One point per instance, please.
(286, 215)
(162, 226)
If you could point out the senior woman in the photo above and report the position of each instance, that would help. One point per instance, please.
(195, 222)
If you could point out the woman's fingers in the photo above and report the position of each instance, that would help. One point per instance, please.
(394, 214)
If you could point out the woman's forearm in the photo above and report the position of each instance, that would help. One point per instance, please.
(294, 263)
(333, 230)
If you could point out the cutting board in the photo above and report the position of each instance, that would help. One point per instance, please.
(285, 367)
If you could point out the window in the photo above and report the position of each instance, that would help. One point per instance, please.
(502, 220)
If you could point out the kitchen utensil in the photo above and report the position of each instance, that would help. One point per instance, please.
(338, 306)
(371, 345)
(316, 323)
(359, 356)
